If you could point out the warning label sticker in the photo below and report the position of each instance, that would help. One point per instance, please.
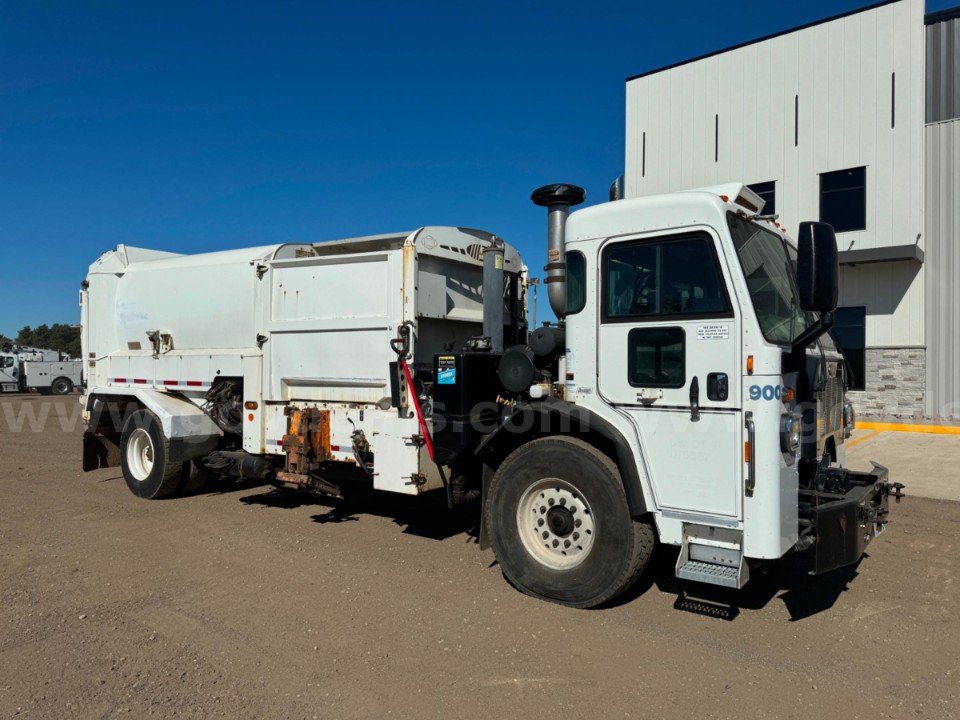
(446, 370)
(713, 332)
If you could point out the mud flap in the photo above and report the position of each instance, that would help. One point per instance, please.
(100, 451)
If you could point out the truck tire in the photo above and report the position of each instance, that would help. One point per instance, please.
(61, 386)
(145, 457)
(560, 526)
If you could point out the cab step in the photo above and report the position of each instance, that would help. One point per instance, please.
(712, 555)
(710, 573)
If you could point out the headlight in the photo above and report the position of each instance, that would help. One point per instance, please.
(790, 433)
(849, 418)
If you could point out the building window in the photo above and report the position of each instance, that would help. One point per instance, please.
(666, 277)
(656, 357)
(843, 199)
(849, 333)
(768, 193)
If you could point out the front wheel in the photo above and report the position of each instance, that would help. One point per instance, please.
(560, 526)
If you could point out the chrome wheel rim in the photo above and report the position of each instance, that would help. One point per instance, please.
(140, 454)
(556, 524)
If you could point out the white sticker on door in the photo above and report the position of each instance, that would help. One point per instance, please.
(713, 332)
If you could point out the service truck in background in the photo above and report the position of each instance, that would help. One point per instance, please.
(49, 372)
(688, 393)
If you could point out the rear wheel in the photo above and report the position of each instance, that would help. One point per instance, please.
(145, 457)
(560, 526)
(61, 386)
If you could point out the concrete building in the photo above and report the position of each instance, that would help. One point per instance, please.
(853, 120)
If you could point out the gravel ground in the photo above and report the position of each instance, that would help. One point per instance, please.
(247, 603)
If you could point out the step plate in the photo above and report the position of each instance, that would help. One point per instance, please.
(709, 573)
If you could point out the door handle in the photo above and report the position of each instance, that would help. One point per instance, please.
(751, 460)
(695, 400)
(718, 386)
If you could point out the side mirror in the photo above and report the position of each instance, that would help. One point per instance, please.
(818, 269)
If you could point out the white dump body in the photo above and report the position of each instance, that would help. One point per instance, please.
(302, 324)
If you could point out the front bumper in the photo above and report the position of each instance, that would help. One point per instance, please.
(846, 511)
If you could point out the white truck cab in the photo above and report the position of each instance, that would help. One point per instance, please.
(688, 393)
(684, 343)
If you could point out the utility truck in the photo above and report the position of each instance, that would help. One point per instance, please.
(687, 394)
(46, 371)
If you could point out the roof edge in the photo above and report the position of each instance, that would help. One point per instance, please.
(771, 36)
(941, 16)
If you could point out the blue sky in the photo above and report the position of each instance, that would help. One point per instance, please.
(201, 126)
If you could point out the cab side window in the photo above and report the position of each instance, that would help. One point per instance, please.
(664, 278)
(6, 362)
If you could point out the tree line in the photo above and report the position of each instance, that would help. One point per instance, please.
(59, 336)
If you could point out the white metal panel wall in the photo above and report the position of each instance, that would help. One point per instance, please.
(840, 71)
(943, 268)
(892, 292)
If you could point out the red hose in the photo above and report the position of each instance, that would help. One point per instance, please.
(416, 406)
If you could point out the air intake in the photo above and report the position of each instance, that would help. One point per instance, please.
(557, 199)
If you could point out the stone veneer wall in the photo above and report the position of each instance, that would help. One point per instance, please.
(895, 382)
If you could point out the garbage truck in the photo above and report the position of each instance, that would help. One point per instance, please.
(688, 393)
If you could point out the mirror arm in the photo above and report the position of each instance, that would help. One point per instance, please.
(810, 335)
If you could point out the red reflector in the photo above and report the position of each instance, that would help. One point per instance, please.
(139, 381)
(120, 380)
(279, 442)
(170, 382)
(193, 383)
(335, 448)
(569, 377)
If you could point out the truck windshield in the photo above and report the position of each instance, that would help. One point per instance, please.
(770, 271)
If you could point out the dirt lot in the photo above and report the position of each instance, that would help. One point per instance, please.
(242, 603)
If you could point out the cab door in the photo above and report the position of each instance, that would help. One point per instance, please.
(9, 372)
(669, 349)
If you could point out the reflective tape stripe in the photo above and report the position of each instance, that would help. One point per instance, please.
(159, 383)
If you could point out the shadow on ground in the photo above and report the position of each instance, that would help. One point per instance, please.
(787, 580)
(426, 516)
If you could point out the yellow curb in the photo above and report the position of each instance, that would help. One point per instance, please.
(907, 427)
(858, 440)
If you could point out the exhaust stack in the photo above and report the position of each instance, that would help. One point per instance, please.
(557, 199)
(493, 294)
